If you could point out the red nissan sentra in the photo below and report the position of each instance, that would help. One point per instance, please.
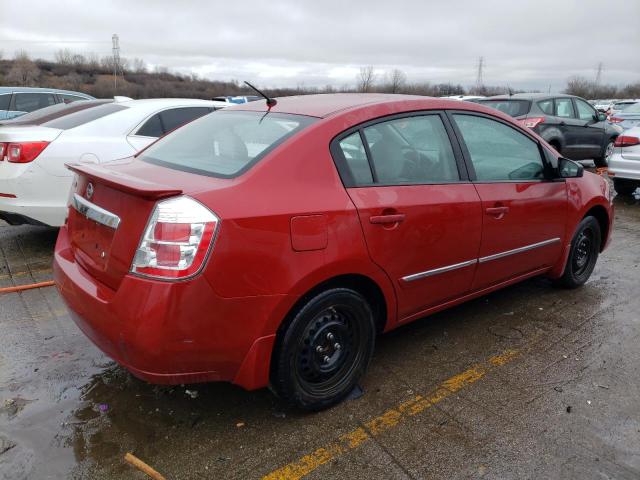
(269, 245)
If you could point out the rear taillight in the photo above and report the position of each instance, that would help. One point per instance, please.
(24, 152)
(3, 148)
(531, 122)
(626, 141)
(177, 239)
(616, 120)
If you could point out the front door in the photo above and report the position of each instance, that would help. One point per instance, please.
(523, 214)
(421, 222)
(591, 131)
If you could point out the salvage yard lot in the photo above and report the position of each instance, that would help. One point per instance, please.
(529, 382)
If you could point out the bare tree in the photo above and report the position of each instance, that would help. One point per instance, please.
(138, 65)
(395, 81)
(579, 86)
(366, 78)
(24, 71)
(63, 56)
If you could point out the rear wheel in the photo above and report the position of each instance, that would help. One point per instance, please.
(585, 247)
(625, 187)
(325, 350)
(603, 160)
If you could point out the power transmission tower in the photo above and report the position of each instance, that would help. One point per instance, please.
(116, 60)
(598, 75)
(479, 81)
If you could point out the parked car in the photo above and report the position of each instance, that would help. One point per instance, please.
(466, 98)
(628, 118)
(624, 165)
(237, 99)
(621, 106)
(570, 124)
(16, 101)
(34, 183)
(603, 106)
(269, 246)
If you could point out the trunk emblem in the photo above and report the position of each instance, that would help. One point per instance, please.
(89, 192)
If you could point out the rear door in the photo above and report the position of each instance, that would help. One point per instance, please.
(523, 214)
(419, 213)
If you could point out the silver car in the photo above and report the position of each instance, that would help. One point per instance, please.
(624, 164)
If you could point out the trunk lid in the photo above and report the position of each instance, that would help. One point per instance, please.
(110, 205)
(28, 134)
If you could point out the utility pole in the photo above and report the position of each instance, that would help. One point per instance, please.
(116, 61)
(479, 81)
(598, 75)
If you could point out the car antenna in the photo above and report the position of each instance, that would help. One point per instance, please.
(270, 101)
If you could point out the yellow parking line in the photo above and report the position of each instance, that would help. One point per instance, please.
(388, 420)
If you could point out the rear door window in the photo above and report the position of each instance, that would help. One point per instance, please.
(411, 150)
(224, 144)
(499, 152)
(152, 127)
(68, 98)
(564, 108)
(355, 156)
(176, 117)
(28, 102)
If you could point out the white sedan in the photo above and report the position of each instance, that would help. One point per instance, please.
(624, 164)
(34, 183)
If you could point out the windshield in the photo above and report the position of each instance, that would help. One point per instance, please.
(225, 143)
(515, 108)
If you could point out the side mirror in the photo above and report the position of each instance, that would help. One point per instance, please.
(569, 169)
(600, 117)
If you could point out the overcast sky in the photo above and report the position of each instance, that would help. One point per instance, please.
(525, 44)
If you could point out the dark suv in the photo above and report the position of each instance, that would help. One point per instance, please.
(574, 128)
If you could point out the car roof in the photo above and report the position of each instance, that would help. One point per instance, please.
(529, 96)
(327, 104)
(36, 90)
(162, 102)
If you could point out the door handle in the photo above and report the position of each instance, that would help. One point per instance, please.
(382, 219)
(497, 212)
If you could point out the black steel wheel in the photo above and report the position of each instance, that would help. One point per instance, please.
(585, 247)
(324, 351)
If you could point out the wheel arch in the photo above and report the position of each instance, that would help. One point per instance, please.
(602, 216)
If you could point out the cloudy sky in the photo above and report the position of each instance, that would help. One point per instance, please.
(525, 44)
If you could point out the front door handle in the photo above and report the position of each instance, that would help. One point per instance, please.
(382, 219)
(497, 212)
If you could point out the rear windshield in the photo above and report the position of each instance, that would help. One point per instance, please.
(515, 108)
(634, 108)
(623, 106)
(47, 114)
(224, 143)
(76, 119)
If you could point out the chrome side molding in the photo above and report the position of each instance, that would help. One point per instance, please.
(468, 263)
(526, 248)
(94, 212)
(436, 271)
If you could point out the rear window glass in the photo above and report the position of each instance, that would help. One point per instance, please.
(515, 108)
(635, 108)
(84, 116)
(225, 143)
(4, 101)
(53, 112)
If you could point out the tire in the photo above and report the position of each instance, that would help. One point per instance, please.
(603, 160)
(585, 247)
(324, 351)
(625, 187)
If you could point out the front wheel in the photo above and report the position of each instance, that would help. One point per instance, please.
(325, 350)
(585, 247)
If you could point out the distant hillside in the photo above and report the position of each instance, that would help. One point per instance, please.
(93, 75)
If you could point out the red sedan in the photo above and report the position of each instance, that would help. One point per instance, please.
(269, 244)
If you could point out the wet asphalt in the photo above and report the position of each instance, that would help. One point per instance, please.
(528, 382)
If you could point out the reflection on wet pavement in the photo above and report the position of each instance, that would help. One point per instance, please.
(566, 407)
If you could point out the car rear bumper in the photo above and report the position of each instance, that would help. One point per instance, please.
(170, 332)
(621, 167)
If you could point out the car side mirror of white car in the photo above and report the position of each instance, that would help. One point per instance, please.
(569, 169)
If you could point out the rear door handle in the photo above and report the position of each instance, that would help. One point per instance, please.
(498, 212)
(381, 219)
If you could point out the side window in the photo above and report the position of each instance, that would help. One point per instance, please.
(151, 128)
(499, 152)
(355, 157)
(411, 150)
(546, 106)
(585, 111)
(176, 117)
(564, 108)
(28, 102)
(4, 101)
